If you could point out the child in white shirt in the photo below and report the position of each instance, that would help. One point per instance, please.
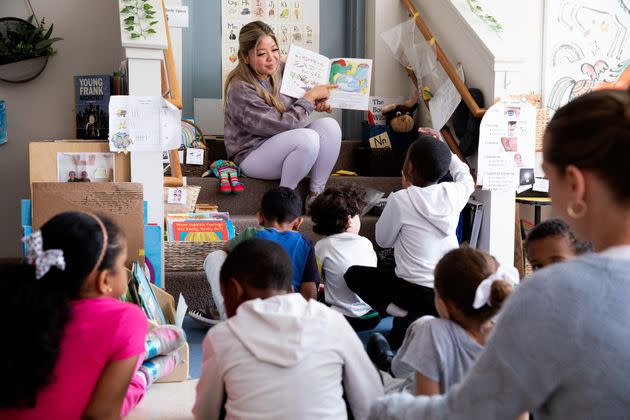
(419, 222)
(335, 214)
(279, 356)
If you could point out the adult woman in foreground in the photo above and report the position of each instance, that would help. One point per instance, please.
(560, 348)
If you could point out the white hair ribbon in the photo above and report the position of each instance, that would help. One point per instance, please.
(42, 260)
(482, 295)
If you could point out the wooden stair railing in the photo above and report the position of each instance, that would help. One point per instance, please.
(470, 102)
(170, 87)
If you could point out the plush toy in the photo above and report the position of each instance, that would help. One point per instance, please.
(227, 172)
(401, 126)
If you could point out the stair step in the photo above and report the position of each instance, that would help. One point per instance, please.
(249, 201)
(346, 160)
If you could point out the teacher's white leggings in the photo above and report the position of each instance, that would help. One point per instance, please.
(293, 154)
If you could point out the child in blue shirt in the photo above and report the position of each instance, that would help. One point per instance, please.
(279, 219)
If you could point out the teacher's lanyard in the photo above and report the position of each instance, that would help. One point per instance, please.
(262, 83)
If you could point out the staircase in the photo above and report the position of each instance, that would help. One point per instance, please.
(242, 208)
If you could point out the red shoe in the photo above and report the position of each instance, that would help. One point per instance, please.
(224, 185)
(237, 186)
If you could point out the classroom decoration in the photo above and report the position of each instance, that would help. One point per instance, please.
(507, 146)
(305, 69)
(143, 123)
(142, 24)
(295, 22)
(585, 48)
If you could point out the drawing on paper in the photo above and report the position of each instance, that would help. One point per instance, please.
(586, 48)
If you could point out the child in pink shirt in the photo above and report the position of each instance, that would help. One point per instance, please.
(74, 347)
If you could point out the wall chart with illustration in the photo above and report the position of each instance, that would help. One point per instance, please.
(586, 47)
(293, 22)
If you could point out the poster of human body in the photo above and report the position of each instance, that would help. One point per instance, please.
(507, 142)
(586, 47)
(293, 22)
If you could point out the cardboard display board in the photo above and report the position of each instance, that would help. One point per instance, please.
(121, 201)
(43, 158)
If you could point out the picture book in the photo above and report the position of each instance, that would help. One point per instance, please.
(92, 94)
(200, 227)
(143, 292)
(305, 69)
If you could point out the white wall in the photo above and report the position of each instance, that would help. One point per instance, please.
(44, 107)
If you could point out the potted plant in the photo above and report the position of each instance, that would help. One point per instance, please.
(24, 48)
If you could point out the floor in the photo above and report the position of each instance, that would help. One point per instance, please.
(195, 334)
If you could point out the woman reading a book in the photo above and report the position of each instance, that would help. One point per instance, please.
(266, 133)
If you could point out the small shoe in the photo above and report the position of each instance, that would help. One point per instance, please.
(379, 352)
(308, 202)
(224, 186)
(202, 318)
(237, 186)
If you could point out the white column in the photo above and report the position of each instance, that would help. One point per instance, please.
(144, 67)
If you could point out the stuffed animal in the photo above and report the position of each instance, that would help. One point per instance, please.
(228, 173)
(401, 126)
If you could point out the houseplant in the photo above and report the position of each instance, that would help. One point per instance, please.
(24, 48)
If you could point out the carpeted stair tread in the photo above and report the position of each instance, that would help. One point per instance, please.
(249, 201)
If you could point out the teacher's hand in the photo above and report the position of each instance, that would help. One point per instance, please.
(319, 92)
(323, 106)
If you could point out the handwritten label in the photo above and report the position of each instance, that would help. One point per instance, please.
(381, 141)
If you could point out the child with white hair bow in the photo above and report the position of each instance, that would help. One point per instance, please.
(470, 287)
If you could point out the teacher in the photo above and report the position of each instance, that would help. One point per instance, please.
(265, 131)
(561, 346)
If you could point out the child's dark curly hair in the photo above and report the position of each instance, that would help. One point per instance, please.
(557, 227)
(331, 209)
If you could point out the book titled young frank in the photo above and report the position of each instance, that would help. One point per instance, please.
(305, 69)
(92, 106)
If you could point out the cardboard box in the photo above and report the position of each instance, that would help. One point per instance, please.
(167, 304)
(43, 158)
(121, 201)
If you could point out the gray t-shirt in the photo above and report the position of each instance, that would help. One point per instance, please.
(437, 348)
(561, 349)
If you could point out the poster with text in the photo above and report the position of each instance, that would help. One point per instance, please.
(293, 22)
(507, 142)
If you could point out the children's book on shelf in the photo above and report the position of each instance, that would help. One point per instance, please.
(305, 69)
(139, 291)
(92, 94)
(199, 227)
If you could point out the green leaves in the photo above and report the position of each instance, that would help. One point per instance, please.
(489, 20)
(24, 40)
(140, 19)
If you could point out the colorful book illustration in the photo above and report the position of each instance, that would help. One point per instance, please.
(92, 94)
(140, 289)
(200, 227)
(305, 69)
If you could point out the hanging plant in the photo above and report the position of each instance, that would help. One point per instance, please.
(21, 39)
(140, 18)
(489, 20)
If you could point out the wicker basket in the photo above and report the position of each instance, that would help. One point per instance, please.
(188, 256)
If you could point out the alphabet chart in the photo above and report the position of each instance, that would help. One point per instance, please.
(292, 21)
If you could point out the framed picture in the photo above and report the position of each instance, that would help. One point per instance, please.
(85, 167)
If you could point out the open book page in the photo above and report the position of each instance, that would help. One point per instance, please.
(303, 70)
(352, 77)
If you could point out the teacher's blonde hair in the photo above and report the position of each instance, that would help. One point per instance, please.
(248, 38)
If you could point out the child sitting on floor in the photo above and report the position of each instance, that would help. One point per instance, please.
(279, 356)
(470, 287)
(419, 222)
(335, 214)
(279, 219)
(74, 347)
(553, 241)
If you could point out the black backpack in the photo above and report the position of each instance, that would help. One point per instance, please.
(466, 125)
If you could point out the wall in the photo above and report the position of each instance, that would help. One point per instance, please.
(201, 44)
(44, 107)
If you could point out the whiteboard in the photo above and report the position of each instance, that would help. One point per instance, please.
(586, 44)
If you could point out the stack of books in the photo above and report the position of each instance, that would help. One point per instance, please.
(211, 226)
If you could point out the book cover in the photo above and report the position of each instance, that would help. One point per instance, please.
(92, 94)
(212, 230)
(305, 69)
